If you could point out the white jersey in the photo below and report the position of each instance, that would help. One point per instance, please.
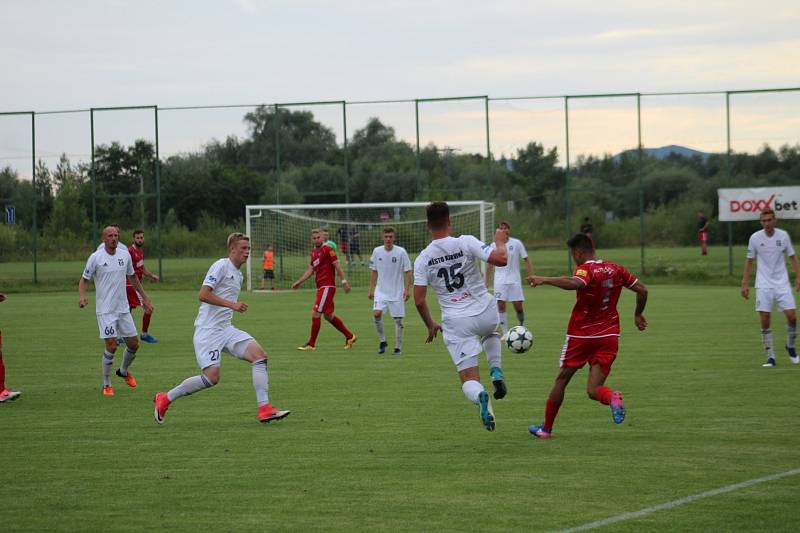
(226, 281)
(450, 266)
(509, 274)
(768, 253)
(391, 267)
(109, 272)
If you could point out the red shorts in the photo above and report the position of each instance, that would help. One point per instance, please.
(595, 351)
(324, 301)
(703, 236)
(134, 300)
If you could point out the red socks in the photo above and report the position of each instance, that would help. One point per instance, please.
(315, 324)
(604, 395)
(550, 412)
(338, 324)
(146, 322)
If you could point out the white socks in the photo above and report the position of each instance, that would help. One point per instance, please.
(491, 345)
(398, 331)
(261, 381)
(379, 328)
(503, 321)
(472, 389)
(189, 386)
(766, 340)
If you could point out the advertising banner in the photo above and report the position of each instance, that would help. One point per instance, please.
(746, 204)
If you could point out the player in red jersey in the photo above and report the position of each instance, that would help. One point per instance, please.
(6, 395)
(593, 330)
(325, 265)
(134, 298)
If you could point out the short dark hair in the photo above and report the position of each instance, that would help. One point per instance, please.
(504, 223)
(582, 242)
(438, 213)
(137, 232)
(388, 229)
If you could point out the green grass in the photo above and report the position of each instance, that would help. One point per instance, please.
(662, 265)
(389, 443)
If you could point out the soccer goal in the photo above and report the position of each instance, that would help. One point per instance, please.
(355, 228)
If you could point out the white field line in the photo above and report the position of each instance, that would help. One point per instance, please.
(680, 501)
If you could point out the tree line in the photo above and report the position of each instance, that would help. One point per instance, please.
(288, 156)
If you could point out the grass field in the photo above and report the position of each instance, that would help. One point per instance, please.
(389, 443)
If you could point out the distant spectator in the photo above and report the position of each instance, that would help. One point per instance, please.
(702, 231)
(586, 227)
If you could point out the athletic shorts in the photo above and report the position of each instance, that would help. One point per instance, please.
(113, 325)
(509, 292)
(324, 302)
(703, 236)
(595, 351)
(210, 343)
(269, 274)
(396, 308)
(134, 298)
(463, 336)
(766, 298)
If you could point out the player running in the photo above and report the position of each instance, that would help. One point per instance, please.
(768, 246)
(214, 334)
(324, 265)
(469, 315)
(134, 298)
(593, 330)
(507, 281)
(109, 266)
(391, 272)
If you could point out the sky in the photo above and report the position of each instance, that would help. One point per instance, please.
(76, 55)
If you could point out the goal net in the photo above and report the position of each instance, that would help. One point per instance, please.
(355, 228)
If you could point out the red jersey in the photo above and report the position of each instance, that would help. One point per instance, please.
(137, 258)
(322, 259)
(595, 312)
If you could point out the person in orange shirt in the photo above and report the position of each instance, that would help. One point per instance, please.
(268, 265)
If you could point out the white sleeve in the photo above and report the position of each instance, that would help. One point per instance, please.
(420, 271)
(789, 249)
(88, 272)
(523, 253)
(751, 248)
(373, 260)
(129, 270)
(475, 247)
(406, 262)
(214, 275)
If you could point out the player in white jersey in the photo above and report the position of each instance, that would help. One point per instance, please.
(389, 286)
(109, 266)
(214, 334)
(507, 281)
(769, 246)
(469, 317)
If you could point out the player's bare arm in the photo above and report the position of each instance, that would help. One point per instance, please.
(154, 277)
(748, 268)
(641, 301)
(499, 256)
(568, 283)
(146, 303)
(207, 295)
(796, 266)
(420, 294)
(529, 266)
(2, 297)
(82, 301)
(307, 274)
(489, 275)
(407, 293)
(373, 280)
(339, 271)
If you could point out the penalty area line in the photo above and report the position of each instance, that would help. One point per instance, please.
(680, 501)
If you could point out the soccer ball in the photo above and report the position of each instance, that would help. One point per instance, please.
(519, 339)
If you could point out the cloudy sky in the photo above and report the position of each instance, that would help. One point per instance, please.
(76, 55)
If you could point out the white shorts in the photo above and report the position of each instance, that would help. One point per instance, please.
(766, 298)
(509, 292)
(396, 308)
(210, 343)
(463, 336)
(113, 325)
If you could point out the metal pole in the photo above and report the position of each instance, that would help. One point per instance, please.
(488, 143)
(158, 201)
(346, 158)
(35, 195)
(566, 180)
(94, 180)
(416, 121)
(277, 156)
(641, 185)
(728, 174)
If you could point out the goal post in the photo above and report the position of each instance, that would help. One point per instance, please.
(355, 228)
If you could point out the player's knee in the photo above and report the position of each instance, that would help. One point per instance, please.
(329, 317)
(132, 343)
(377, 314)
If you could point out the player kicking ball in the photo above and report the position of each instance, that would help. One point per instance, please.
(469, 315)
(214, 335)
(593, 330)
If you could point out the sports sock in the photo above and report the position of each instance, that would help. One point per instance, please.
(107, 361)
(491, 345)
(766, 340)
(127, 358)
(146, 323)
(261, 381)
(398, 332)
(521, 316)
(189, 386)
(503, 321)
(550, 412)
(603, 395)
(379, 328)
(315, 324)
(338, 324)
(791, 334)
(472, 389)
(2, 374)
